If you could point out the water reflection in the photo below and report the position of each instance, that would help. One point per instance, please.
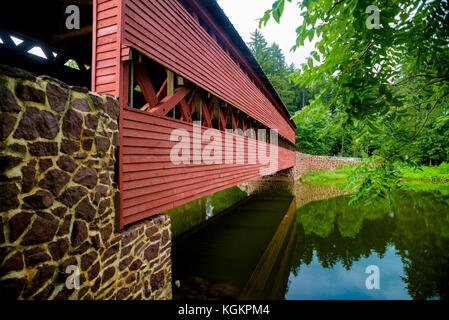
(313, 281)
(237, 254)
(268, 249)
(408, 242)
(192, 214)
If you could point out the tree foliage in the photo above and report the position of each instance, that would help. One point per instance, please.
(391, 81)
(272, 61)
(337, 232)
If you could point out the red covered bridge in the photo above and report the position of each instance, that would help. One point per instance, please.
(171, 63)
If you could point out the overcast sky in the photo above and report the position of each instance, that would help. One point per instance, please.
(244, 14)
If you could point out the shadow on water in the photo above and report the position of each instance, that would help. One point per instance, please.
(218, 259)
(314, 245)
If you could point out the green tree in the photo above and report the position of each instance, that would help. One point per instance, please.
(391, 80)
(272, 61)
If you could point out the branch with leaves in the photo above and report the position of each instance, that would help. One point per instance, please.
(376, 76)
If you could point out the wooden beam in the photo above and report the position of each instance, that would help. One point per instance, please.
(235, 120)
(63, 55)
(169, 102)
(201, 11)
(170, 83)
(211, 108)
(185, 111)
(26, 45)
(244, 125)
(206, 115)
(190, 102)
(50, 57)
(162, 91)
(7, 41)
(216, 111)
(223, 114)
(197, 104)
(145, 84)
(81, 65)
(72, 34)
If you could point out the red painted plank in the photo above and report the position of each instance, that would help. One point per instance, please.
(145, 84)
(107, 30)
(106, 22)
(106, 71)
(113, 12)
(149, 182)
(160, 36)
(167, 54)
(106, 5)
(106, 79)
(107, 88)
(170, 101)
(152, 183)
(112, 54)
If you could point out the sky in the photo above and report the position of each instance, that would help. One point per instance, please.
(244, 15)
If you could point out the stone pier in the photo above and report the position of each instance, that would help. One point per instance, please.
(59, 200)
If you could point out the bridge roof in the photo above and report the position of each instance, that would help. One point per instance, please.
(232, 39)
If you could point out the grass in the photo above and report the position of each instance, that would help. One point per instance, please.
(419, 186)
(426, 173)
(340, 175)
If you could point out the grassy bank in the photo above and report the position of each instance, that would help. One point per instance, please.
(340, 175)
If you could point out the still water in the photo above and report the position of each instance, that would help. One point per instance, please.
(313, 245)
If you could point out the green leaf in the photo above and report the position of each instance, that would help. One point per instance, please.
(315, 55)
(310, 62)
(278, 9)
(310, 34)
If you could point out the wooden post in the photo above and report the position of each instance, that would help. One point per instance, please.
(170, 83)
(198, 106)
(216, 112)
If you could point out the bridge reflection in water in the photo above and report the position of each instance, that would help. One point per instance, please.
(242, 253)
(245, 251)
(314, 245)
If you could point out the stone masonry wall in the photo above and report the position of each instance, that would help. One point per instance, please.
(59, 202)
(306, 162)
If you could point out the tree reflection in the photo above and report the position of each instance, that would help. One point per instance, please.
(417, 225)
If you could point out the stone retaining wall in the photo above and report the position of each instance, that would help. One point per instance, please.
(283, 180)
(59, 199)
(306, 162)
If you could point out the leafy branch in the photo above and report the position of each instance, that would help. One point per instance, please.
(333, 6)
(421, 127)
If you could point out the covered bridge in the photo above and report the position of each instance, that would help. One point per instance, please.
(171, 63)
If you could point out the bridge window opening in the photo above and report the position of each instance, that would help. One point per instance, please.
(148, 82)
(35, 37)
(229, 118)
(162, 92)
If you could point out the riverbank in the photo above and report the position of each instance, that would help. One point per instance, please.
(340, 175)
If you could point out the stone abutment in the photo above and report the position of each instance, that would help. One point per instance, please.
(59, 200)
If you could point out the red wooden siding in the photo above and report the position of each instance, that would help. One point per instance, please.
(163, 30)
(107, 52)
(166, 32)
(151, 183)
